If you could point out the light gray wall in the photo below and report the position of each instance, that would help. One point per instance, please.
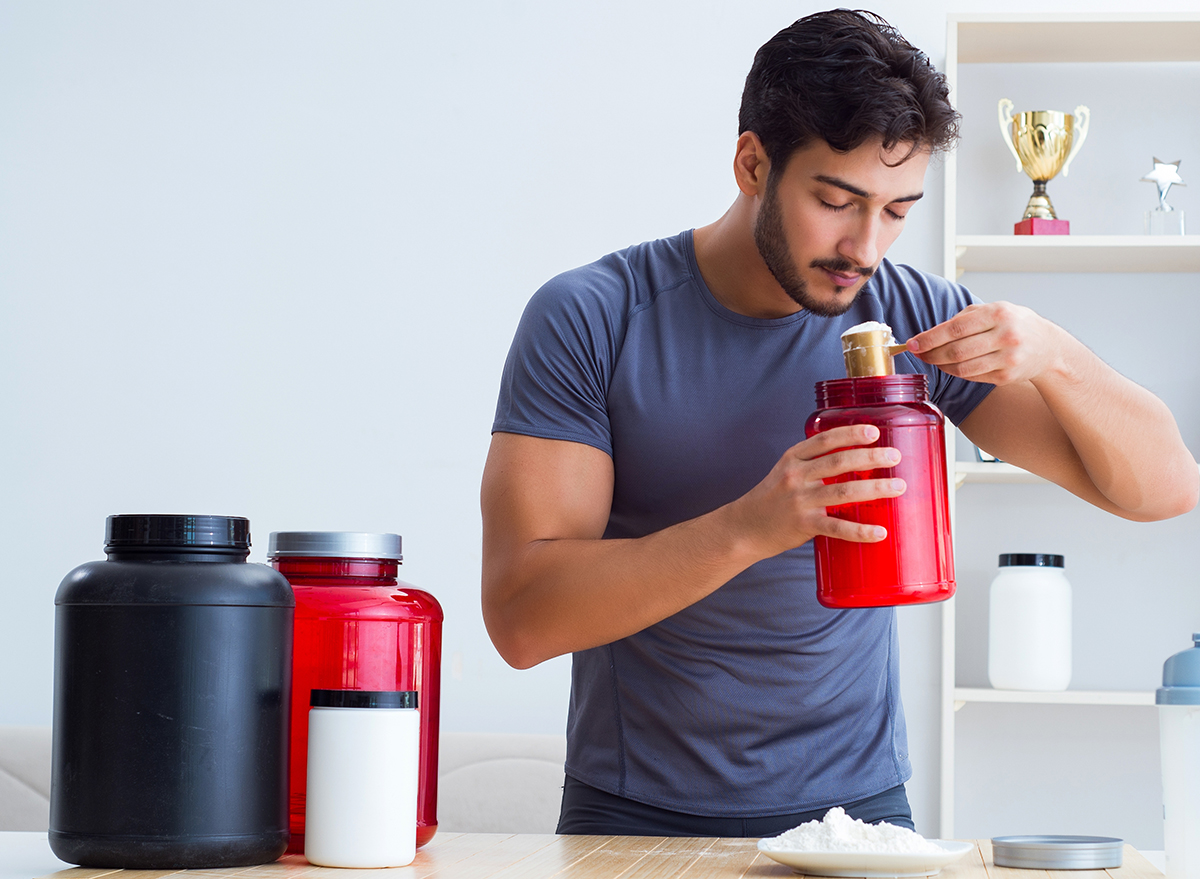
(265, 259)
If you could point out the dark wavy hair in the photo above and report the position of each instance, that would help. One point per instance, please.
(845, 76)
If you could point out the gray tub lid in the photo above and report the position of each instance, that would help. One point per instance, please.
(335, 544)
(1057, 852)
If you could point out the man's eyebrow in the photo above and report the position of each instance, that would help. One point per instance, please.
(861, 193)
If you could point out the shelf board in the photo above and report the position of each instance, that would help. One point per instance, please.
(992, 473)
(1084, 37)
(1078, 253)
(963, 695)
(996, 473)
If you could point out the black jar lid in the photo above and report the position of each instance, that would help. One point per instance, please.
(334, 544)
(207, 532)
(363, 698)
(1030, 559)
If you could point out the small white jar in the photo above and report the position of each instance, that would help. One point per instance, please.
(1029, 624)
(363, 762)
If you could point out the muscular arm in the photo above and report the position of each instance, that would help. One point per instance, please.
(551, 585)
(1061, 412)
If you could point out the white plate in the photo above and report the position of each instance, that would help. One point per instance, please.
(870, 864)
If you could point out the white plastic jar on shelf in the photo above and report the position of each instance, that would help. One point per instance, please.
(1029, 624)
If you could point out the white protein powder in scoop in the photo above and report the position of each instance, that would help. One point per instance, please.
(838, 832)
(872, 326)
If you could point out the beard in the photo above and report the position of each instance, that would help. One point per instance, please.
(772, 247)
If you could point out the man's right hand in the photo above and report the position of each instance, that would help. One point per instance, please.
(552, 585)
(790, 505)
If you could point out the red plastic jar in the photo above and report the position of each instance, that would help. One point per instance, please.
(915, 563)
(359, 628)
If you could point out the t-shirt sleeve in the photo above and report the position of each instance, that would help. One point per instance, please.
(555, 380)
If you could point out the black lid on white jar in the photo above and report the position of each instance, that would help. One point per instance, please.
(363, 698)
(1030, 560)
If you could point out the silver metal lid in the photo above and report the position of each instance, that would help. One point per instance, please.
(1057, 852)
(335, 544)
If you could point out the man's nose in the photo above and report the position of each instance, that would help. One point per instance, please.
(860, 244)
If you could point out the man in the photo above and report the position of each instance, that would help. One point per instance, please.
(648, 508)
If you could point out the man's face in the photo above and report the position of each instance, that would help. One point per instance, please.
(828, 218)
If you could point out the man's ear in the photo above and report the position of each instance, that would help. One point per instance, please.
(751, 165)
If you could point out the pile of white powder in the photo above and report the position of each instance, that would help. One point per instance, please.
(872, 326)
(841, 833)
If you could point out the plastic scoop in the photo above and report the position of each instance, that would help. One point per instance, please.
(869, 349)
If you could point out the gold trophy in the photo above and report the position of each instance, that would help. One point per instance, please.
(1043, 142)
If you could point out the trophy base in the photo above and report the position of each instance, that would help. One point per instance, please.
(1164, 222)
(1038, 226)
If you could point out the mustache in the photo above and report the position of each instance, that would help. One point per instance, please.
(841, 265)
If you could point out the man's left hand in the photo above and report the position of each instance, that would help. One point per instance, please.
(998, 342)
(1062, 413)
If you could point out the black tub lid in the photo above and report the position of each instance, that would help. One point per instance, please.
(1031, 559)
(154, 530)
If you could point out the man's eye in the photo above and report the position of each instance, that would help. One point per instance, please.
(835, 207)
(895, 216)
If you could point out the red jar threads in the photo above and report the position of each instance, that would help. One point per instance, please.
(915, 563)
(358, 627)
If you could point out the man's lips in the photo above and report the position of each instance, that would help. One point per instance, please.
(842, 272)
(842, 280)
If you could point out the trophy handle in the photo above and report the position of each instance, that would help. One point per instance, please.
(1082, 116)
(1006, 118)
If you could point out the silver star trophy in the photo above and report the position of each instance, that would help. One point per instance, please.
(1164, 219)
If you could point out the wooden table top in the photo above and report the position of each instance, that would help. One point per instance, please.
(503, 856)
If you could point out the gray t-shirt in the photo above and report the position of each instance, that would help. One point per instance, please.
(755, 700)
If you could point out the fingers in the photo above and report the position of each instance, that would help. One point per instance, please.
(844, 497)
(996, 343)
(842, 450)
(967, 335)
(846, 471)
(854, 532)
(971, 321)
(982, 358)
(832, 473)
(836, 438)
(835, 469)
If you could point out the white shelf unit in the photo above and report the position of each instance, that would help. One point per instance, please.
(989, 38)
(1076, 253)
(991, 473)
(963, 695)
(1025, 38)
